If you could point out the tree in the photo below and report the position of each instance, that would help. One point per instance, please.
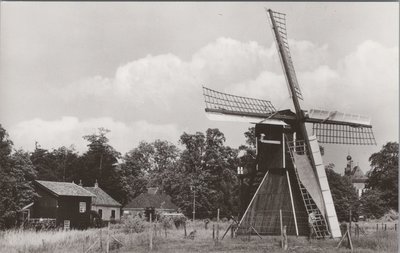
(384, 174)
(16, 175)
(208, 168)
(150, 164)
(372, 204)
(344, 195)
(101, 163)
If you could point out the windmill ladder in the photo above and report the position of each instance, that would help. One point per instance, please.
(319, 225)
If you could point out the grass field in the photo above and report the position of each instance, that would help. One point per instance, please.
(79, 241)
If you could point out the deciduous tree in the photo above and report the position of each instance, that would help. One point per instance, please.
(384, 174)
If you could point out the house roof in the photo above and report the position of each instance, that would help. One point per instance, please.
(357, 173)
(102, 198)
(151, 199)
(64, 189)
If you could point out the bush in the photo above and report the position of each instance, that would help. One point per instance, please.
(172, 219)
(133, 224)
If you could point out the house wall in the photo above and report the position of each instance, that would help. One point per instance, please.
(68, 209)
(359, 188)
(106, 212)
(44, 206)
(61, 208)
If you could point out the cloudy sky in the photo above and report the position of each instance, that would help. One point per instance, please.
(138, 68)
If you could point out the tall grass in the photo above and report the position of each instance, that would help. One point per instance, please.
(79, 241)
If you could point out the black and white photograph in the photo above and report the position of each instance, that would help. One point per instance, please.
(199, 126)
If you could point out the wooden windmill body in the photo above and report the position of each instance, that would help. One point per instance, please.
(289, 179)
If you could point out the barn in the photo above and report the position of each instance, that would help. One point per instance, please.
(68, 204)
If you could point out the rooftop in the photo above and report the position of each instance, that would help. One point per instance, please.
(152, 198)
(102, 198)
(64, 188)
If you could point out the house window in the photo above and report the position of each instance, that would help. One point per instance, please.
(82, 207)
(101, 213)
(112, 214)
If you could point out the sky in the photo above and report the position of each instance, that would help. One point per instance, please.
(137, 68)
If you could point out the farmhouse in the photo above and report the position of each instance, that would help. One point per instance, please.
(107, 207)
(153, 199)
(62, 202)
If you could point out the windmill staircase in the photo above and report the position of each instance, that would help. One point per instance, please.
(319, 225)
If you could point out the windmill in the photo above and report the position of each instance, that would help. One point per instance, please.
(288, 182)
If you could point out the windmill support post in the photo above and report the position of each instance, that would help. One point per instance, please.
(291, 200)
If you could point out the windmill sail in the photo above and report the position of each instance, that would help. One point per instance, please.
(335, 127)
(278, 24)
(223, 103)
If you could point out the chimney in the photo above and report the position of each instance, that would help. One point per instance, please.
(96, 184)
(80, 182)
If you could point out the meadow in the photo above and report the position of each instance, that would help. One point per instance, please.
(95, 240)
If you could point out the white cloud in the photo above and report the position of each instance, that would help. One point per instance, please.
(165, 88)
(69, 131)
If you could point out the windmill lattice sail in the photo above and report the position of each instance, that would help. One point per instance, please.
(335, 127)
(278, 24)
(218, 102)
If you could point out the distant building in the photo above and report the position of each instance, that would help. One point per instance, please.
(107, 207)
(356, 175)
(62, 202)
(153, 199)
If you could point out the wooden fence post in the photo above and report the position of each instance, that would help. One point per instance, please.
(385, 227)
(395, 227)
(376, 226)
(284, 239)
(217, 226)
(151, 234)
(350, 222)
(101, 241)
(213, 231)
(280, 221)
(184, 228)
(108, 238)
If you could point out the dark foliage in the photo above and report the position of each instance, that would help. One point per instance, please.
(384, 174)
(344, 194)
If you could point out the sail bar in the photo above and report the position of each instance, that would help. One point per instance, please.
(278, 24)
(218, 102)
(343, 134)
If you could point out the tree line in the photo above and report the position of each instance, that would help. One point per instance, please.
(202, 164)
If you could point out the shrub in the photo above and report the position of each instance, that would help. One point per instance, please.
(133, 224)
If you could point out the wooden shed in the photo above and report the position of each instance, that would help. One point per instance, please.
(67, 203)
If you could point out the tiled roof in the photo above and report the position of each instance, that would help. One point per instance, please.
(357, 173)
(65, 188)
(159, 200)
(102, 198)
